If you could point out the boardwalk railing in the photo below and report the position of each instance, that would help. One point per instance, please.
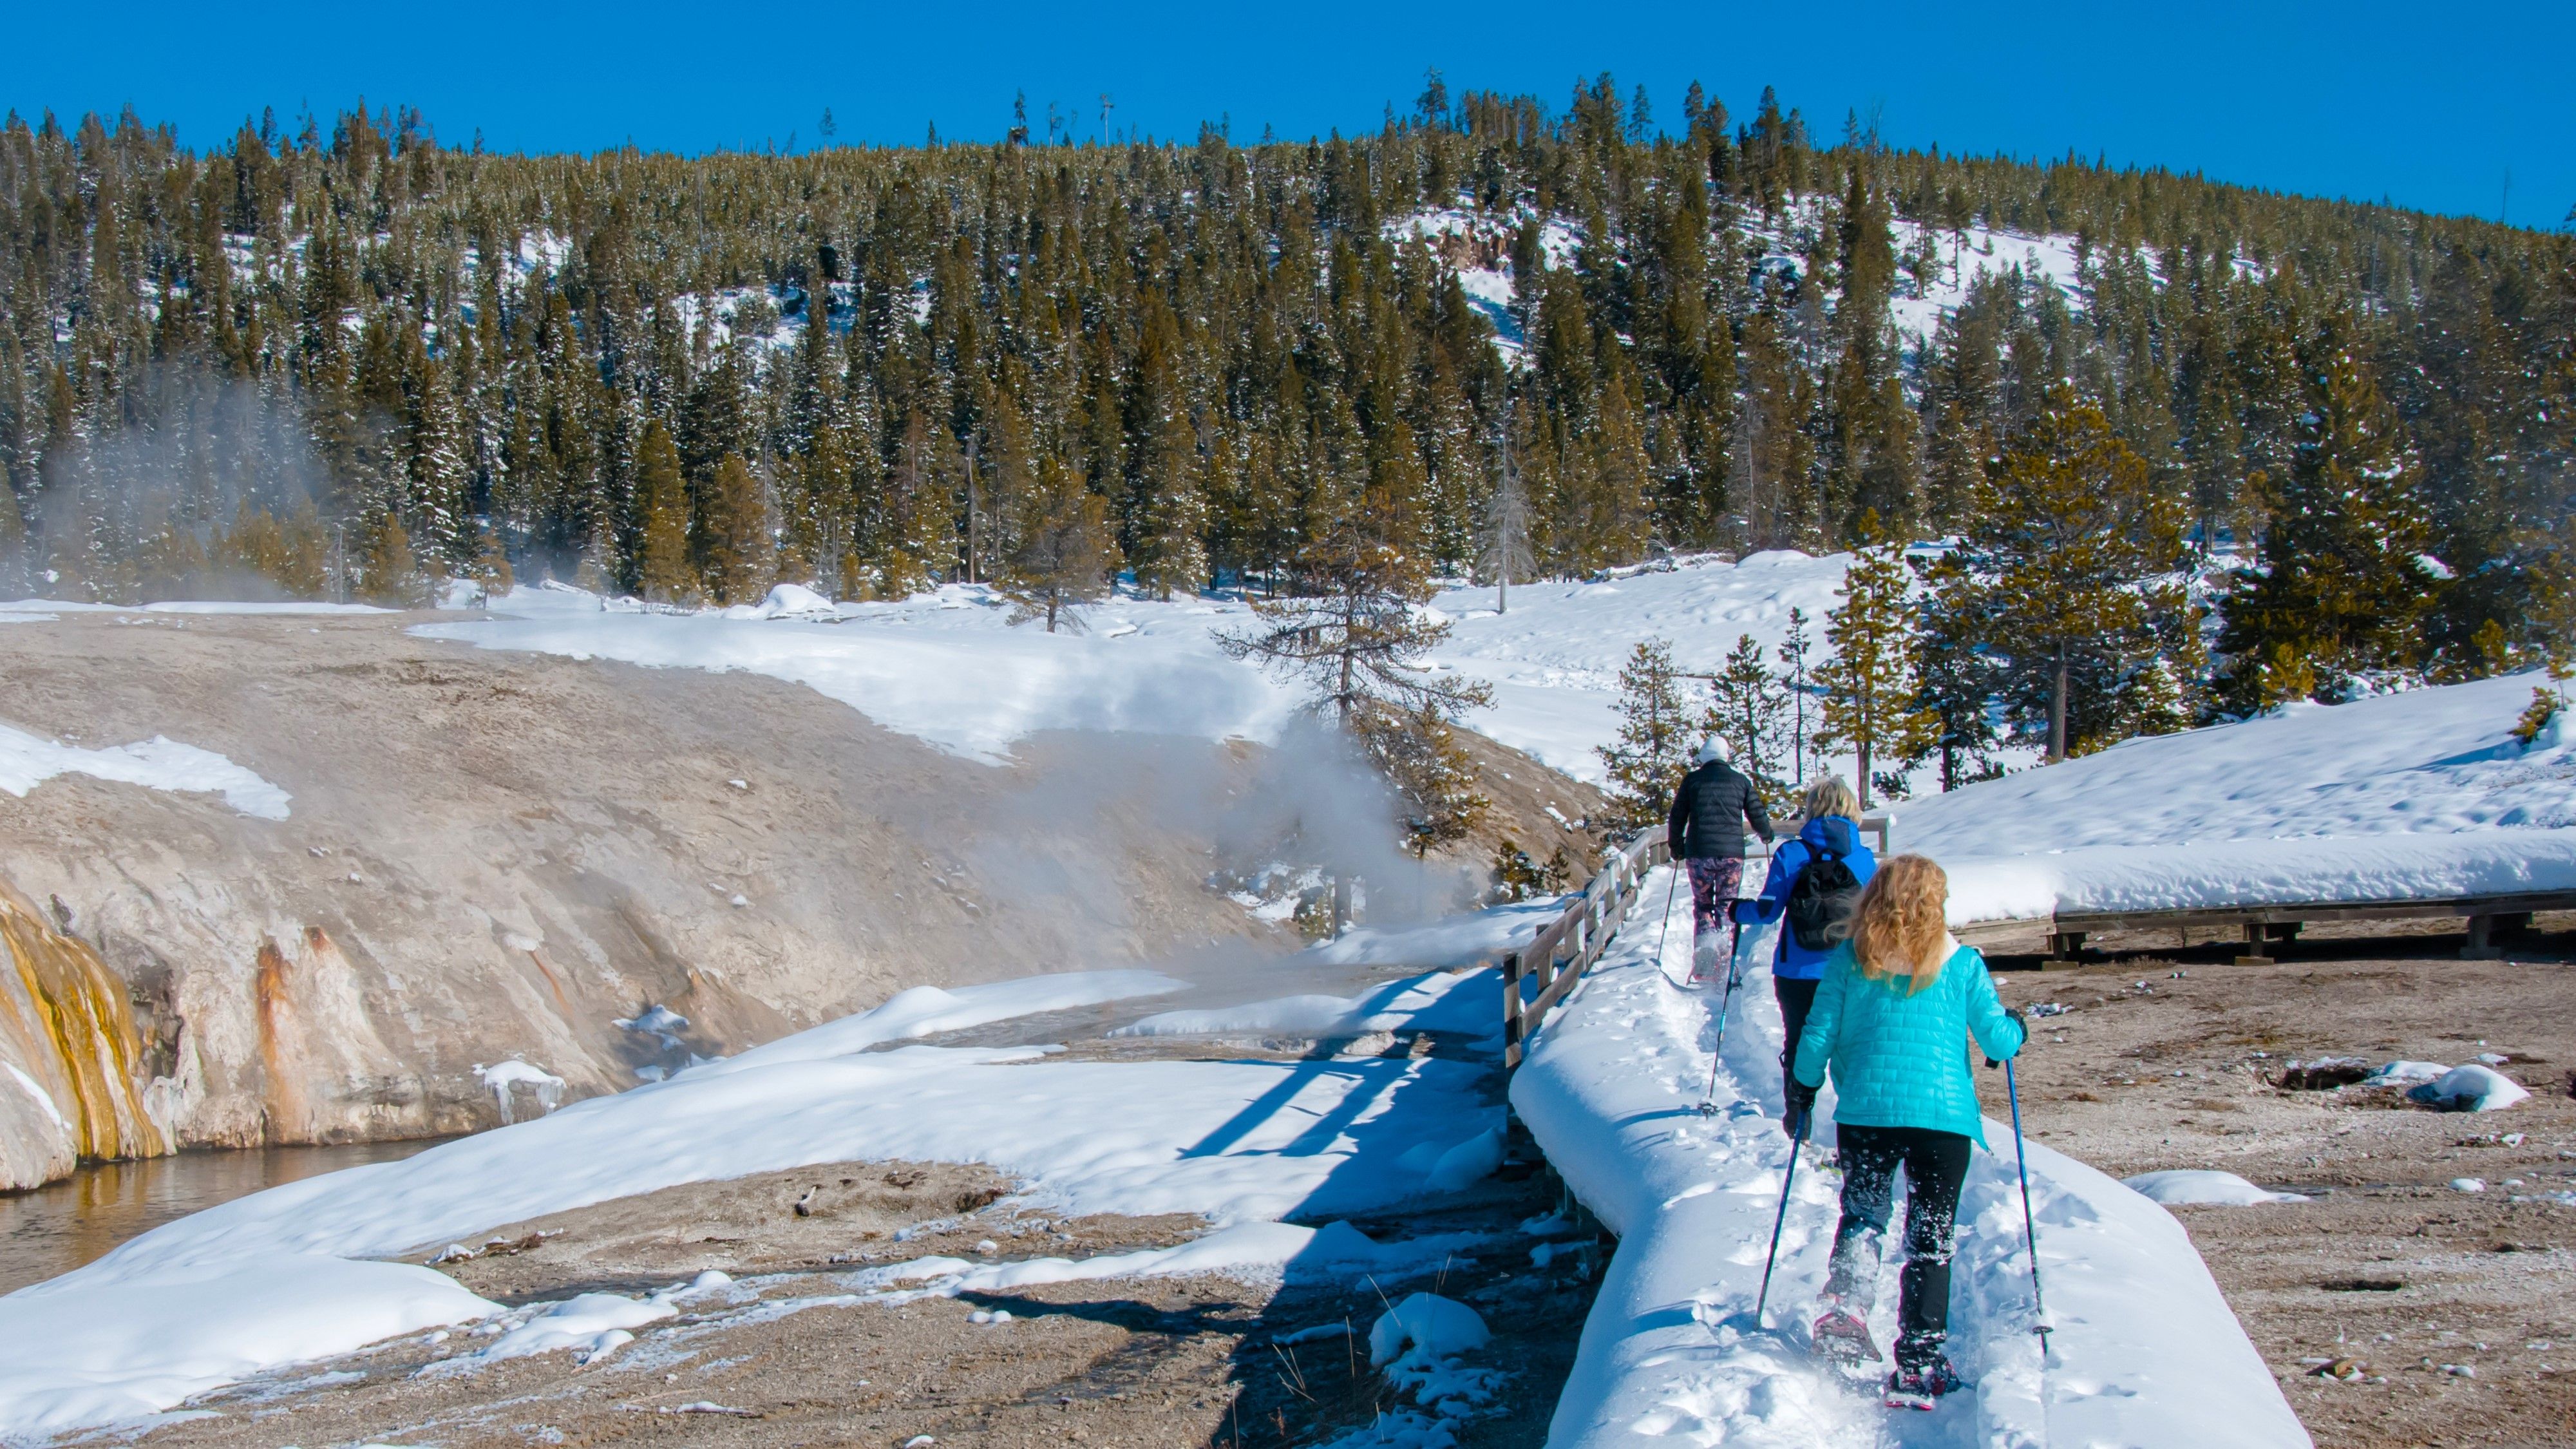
(2266, 926)
(1566, 948)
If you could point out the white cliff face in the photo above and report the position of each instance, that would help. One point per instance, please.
(495, 857)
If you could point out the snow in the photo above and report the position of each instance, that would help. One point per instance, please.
(501, 1076)
(1467, 1003)
(1426, 1323)
(2203, 1186)
(159, 763)
(944, 667)
(2473, 1087)
(1453, 941)
(274, 1278)
(1553, 656)
(2403, 796)
(1272, 1248)
(2144, 1351)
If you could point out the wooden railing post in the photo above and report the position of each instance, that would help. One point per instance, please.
(1512, 1010)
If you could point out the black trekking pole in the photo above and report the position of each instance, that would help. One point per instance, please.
(1780, 1217)
(1717, 1054)
(1671, 885)
(2029, 1226)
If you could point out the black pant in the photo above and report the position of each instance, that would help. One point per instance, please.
(1796, 998)
(1935, 1164)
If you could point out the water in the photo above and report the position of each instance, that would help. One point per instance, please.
(56, 1228)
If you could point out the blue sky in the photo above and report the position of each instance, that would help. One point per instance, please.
(2429, 106)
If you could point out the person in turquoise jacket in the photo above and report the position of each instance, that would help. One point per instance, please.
(1893, 1013)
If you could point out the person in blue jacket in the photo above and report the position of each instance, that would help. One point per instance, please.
(1890, 1024)
(1832, 833)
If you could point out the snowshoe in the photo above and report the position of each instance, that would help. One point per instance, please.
(1703, 963)
(1922, 1388)
(1842, 1336)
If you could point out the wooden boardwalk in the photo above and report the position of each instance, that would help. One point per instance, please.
(2262, 927)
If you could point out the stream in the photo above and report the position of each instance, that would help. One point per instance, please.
(53, 1229)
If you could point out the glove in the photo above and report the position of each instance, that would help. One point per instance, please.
(1744, 913)
(2018, 1020)
(1801, 1109)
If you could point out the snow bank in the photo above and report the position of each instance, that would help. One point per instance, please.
(1239, 1142)
(159, 763)
(2203, 1186)
(944, 666)
(2405, 796)
(92, 1349)
(1468, 1003)
(1454, 941)
(2144, 1353)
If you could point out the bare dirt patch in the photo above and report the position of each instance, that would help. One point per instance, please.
(2450, 1309)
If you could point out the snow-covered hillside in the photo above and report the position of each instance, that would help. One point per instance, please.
(948, 667)
(1553, 656)
(2422, 793)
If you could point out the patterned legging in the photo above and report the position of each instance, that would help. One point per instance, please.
(1715, 879)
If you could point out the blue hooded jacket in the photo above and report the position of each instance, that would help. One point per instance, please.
(1832, 834)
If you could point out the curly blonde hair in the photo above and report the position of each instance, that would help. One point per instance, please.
(1830, 796)
(1896, 927)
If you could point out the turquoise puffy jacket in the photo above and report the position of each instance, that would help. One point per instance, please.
(1901, 1060)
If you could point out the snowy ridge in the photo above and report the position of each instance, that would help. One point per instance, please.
(2145, 1352)
(2419, 795)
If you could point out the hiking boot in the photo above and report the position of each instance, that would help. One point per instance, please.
(1922, 1388)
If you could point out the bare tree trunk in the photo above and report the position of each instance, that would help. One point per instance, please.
(2057, 712)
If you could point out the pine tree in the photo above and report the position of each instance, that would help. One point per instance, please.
(1955, 679)
(2342, 580)
(1870, 684)
(2073, 549)
(1064, 552)
(1655, 730)
(1797, 650)
(663, 566)
(1748, 708)
(392, 575)
(1355, 641)
(737, 541)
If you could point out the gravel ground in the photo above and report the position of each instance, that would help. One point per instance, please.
(2450, 1309)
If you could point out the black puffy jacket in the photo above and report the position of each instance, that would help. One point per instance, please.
(1710, 811)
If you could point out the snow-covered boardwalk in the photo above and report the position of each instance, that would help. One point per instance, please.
(2145, 1351)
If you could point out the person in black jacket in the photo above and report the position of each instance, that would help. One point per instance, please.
(1710, 810)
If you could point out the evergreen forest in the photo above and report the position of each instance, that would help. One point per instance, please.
(2261, 447)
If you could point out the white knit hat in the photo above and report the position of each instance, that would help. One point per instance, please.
(1710, 750)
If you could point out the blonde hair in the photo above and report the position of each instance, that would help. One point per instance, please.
(1830, 796)
(1896, 928)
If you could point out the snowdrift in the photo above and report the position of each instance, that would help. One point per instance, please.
(2417, 795)
(2145, 1351)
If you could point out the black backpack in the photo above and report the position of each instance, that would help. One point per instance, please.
(1819, 900)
